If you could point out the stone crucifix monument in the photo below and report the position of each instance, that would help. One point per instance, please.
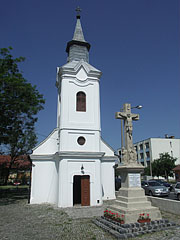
(131, 200)
(128, 153)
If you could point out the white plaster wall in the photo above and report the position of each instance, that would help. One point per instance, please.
(171, 146)
(44, 188)
(70, 118)
(49, 145)
(106, 149)
(108, 180)
(68, 140)
(71, 167)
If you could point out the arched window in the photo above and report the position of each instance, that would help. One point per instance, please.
(81, 102)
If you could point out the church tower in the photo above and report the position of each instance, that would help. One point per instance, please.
(78, 98)
(73, 165)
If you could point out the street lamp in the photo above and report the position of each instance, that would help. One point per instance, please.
(138, 107)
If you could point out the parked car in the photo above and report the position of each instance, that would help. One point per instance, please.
(16, 183)
(177, 190)
(164, 183)
(154, 188)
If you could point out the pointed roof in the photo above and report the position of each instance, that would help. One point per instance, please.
(78, 33)
(78, 48)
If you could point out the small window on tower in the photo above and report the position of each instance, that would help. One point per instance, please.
(81, 102)
(81, 140)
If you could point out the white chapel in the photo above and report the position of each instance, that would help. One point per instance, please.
(74, 165)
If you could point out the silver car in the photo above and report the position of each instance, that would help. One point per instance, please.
(154, 188)
(177, 190)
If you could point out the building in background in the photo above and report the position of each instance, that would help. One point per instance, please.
(176, 171)
(148, 150)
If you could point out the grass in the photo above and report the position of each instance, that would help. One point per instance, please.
(11, 194)
(13, 187)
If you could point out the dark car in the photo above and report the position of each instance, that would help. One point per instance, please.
(154, 188)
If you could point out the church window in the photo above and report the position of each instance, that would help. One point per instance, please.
(81, 140)
(81, 102)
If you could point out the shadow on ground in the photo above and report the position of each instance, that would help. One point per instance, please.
(11, 196)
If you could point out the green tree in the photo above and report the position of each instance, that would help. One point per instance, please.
(19, 104)
(163, 165)
(146, 171)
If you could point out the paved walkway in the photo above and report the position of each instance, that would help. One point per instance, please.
(19, 220)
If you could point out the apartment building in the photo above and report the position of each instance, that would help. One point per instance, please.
(148, 150)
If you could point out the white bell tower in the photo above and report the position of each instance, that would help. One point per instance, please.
(78, 101)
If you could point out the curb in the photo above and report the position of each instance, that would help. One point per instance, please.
(124, 231)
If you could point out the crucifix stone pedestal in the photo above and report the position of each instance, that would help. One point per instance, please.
(131, 200)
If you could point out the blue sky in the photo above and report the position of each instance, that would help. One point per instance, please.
(135, 43)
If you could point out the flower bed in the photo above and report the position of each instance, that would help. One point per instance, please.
(143, 217)
(114, 216)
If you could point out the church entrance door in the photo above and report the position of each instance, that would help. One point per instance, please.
(85, 191)
(81, 190)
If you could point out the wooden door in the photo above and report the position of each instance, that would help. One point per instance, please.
(85, 191)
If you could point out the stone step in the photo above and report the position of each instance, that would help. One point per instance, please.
(132, 214)
(131, 199)
(131, 192)
(141, 209)
(131, 205)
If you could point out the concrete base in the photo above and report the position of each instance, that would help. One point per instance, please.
(131, 201)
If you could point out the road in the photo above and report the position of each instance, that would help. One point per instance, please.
(172, 196)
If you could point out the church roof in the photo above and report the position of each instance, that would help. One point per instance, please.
(177, 168)
(74, 66)
(78, 48)
(78, 33)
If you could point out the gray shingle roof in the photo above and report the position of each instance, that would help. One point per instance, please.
(78, 33)
(78, 48)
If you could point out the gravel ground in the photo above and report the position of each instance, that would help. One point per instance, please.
(19, 220)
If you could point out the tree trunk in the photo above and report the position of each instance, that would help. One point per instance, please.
(8, 170)
(7, 175)
(166, 175)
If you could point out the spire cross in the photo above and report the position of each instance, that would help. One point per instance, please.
(78, 10)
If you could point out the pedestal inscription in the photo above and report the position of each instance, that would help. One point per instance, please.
(134, 180)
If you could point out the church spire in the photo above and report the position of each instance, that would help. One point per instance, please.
(78, 48)
(78, 33)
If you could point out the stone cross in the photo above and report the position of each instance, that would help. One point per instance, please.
(129, 151)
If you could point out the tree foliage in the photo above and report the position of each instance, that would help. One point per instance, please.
(19, 104)
(162, 166)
